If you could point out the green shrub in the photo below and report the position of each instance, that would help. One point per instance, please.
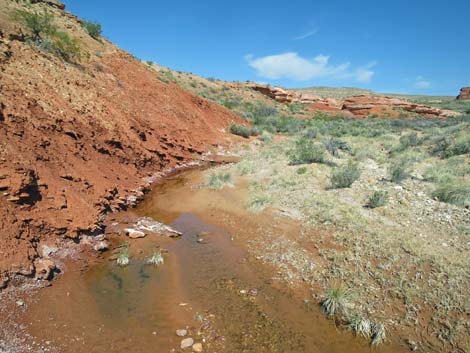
(40, 24)
(409, 140)
(266, 136)
(306, 151)
(398, 171)
(377, 199)
(457, 193)
(302, 170)
(64, 46)
(459, 147)
(93, 29)
(333, 145)
(345, 176)
(240, 130)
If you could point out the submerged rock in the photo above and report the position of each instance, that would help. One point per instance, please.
(147, 224)
(187, 342)
(181, 332)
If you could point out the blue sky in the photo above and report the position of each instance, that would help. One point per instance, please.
(406, 46)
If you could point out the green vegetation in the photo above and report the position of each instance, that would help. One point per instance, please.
(398, 171)
(306, 151)
(40, 24)
(93, 29)
(456, 193)
(243, 131)
(63, 46)
(377, 199)
(46, 35)
(219, 180)
(345, 176)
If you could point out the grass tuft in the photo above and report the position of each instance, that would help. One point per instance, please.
(123, 258)
(156, 259)
(336, 301)
(360, 325)
(379, 334)
(219, 180)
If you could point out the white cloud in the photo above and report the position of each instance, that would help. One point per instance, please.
(421, 83)
(306, 35)
(294, 67)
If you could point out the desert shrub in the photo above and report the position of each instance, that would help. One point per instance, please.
(306, 151)
(64, 46)
(218, 180)
(240, 130)
(40, 24)
(333, 145)
(457, 193)
(345, 176)
(337, 301)
(377, 199)
(231, 103)
(398, 171)
(409, 140)
(266, 136)
(93, 29)
(459, 147)
(310, 133)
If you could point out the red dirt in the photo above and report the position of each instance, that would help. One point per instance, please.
(76, 140)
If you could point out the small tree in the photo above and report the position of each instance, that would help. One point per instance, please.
(93, 29)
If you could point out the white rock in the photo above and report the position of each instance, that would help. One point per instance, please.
(134, 233)
(187, 342)
(197, 347)
(181, 332)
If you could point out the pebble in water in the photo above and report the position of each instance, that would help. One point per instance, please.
(181, 332)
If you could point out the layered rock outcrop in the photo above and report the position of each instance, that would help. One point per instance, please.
(464, 93)
(355, 106)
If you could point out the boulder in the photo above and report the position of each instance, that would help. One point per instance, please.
(464, 93)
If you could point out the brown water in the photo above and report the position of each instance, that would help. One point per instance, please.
(223, 296)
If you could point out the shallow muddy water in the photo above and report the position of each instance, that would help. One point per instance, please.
(209, 284)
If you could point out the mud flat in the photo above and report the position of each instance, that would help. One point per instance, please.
(210, 285)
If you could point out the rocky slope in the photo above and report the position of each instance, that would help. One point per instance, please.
(77, 139)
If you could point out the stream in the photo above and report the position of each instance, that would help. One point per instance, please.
(209, 285)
